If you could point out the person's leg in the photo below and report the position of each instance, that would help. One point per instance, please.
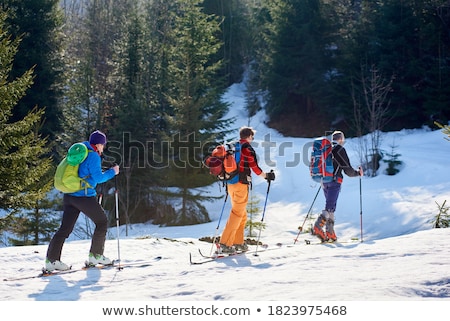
(318, 226)
(238, 215)
(239, 239)
(331, 191)
(331, 235)
(69, 219)
(92, 209)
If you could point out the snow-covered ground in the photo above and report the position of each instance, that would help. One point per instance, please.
(397, 267)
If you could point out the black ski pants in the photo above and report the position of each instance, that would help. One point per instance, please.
(72, 208)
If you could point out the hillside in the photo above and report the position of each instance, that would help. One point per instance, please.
(399, 257)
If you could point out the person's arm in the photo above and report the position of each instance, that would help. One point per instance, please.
(250, 156)
(341, 157)
(96, 172)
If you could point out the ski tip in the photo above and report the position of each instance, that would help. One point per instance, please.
(191, 261)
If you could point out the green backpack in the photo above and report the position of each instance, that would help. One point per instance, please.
(66, 177)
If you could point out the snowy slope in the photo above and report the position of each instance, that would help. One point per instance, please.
(399, 257)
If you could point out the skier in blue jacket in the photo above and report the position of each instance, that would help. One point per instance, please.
(84, 201)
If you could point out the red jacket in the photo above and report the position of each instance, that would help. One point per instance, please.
(248, 161)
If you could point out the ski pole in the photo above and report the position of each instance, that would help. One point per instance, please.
(262, 218)
(218, 223)
(300, 229)
(360, 207)
(116, 195)
(100, 195)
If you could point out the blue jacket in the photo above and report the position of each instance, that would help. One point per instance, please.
(91, 171)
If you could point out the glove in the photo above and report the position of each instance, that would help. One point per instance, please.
(270, 176)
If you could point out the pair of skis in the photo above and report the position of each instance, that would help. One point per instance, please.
(212, 258)
(207, 258)
(337, 243)
(115, 264)
(265, 247)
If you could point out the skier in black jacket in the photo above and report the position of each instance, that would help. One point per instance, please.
(341, 163)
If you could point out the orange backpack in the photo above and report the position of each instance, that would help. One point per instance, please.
(222, 161)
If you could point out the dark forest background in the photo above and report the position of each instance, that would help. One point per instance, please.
(151, 73)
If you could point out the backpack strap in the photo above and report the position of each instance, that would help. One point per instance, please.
(83, 179)
(236, 153)
(243, 175)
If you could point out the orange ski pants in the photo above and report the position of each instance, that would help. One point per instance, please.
(233, 232)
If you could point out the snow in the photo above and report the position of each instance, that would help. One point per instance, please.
(397, 266)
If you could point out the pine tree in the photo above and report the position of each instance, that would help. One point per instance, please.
(24, 169)
(140, 99)
(196, 107)
(35, 226)
(405, 41)
(38, 23)
(296, 60)
(90, 54)
(393, 161)
(252, 210)
(235, 33)
(442, 219)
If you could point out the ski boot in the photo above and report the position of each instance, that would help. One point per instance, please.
(55, 265)
(95, 259)
(318, 227)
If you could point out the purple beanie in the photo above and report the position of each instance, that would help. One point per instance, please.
(97, 137)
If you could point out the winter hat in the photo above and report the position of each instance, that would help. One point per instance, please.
(97, 137)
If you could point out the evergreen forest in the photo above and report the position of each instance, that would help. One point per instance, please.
(151, 74)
